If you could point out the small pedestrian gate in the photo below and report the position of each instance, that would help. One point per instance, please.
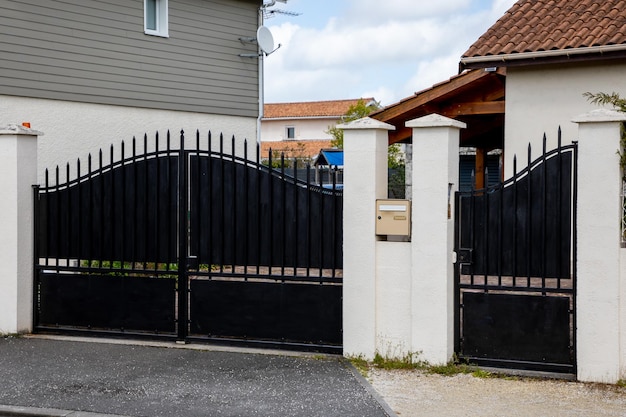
(191, 244)
(516, 267)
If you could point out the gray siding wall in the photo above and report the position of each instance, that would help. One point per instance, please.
(96, 51)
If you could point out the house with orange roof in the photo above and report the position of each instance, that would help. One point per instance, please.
(300, 130)
(553, 51)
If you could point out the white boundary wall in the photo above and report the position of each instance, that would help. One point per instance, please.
(73, 130)
(601, 285)
(18, 172)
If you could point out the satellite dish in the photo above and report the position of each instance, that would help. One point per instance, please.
(265, 40)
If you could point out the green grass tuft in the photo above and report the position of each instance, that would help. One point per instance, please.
(408, 361)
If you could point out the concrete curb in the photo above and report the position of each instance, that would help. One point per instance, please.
(368, 387)
(18, 411)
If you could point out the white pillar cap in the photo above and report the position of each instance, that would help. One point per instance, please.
(435, 120)
(15, 129)
(600, 116)
(366, 123)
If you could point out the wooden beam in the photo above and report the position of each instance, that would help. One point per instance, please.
(425, 96)
(400, 134)
(479, 169)
(467, 109)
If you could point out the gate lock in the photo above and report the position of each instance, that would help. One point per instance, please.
(464, 256)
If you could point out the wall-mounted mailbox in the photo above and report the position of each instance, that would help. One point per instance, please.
(393, 217)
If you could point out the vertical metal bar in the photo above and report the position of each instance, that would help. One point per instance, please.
(258, 201)
(321, 229)
(79, 217)
(271, 214)
(472, 225)
(485, 196)
(574, 277)
(528, 219)
(457, 273)
(112, 205)
(296, 218)
(36, 244)
(210, 231)
(145, 200)
(283, 210)
(196, 229)
(309, 245)
(48, 227)
(183, 284)
(246, 196)
(68, 215)
(333, 236)
(500, 191)
(102, 202)
(544, 197)
(58, 219)
(123, 204)
(169, 235)
(134, 192)
(235, 214)
(90, 222)
(157, 211)
(514, 265)
(223, 208)
(559, 205)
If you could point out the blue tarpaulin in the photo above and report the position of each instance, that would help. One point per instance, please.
(332, 157)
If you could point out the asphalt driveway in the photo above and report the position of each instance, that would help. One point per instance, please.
(166, 380)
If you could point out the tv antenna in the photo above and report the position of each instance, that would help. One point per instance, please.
(268, 13)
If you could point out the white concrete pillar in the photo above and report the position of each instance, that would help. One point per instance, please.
(365, 180)
(18, 172)
(599, 308)
(435, 179)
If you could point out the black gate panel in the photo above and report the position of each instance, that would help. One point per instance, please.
(281, 312)
(516, 327)
(107, 302)
(243, 214)
(522, 227)
(515, 270)
(121, 212)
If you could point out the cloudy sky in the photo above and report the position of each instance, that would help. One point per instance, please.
(387, 49)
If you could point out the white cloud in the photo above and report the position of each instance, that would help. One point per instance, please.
(391, 48)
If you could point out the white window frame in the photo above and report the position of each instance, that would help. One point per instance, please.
(287, 133)
(161, 19)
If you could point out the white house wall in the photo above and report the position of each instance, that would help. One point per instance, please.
(73, 130)
(315, 129)
(540, 99)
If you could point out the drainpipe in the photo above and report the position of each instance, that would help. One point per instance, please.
(261, 89)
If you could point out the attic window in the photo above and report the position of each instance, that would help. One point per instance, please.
(155, 17)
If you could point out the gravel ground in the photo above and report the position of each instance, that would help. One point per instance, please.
(416, 393)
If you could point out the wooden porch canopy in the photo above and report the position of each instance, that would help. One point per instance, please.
(475, 97)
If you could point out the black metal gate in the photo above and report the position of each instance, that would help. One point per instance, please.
(190, 243)
(516, 267)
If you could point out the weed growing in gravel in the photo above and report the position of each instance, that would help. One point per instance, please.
(450, 369)
(360, 364)
(10, 335)
(408, 361)
(621, 383)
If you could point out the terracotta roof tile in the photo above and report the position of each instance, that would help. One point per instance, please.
(294, 149)
(544, 25)
(332, 108)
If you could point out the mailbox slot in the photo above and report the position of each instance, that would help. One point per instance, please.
(393, 217)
